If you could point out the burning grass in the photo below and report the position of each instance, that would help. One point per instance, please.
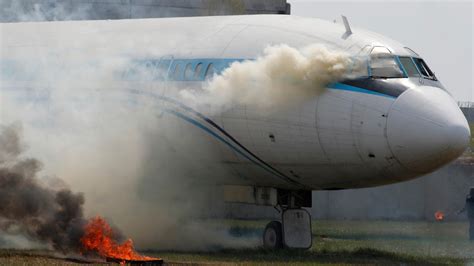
(99, 237)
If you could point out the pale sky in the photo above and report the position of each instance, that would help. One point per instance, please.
(440, 31)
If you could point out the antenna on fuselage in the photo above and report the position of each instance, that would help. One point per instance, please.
(348, 28)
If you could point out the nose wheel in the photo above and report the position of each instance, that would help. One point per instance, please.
(293, 232)
(273, 236)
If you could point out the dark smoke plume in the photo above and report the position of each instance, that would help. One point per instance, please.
(29, 207)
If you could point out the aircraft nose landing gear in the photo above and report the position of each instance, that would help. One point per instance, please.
(273, 236)
(294, 230)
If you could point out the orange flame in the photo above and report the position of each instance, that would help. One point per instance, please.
(98, 237)
(439, 215)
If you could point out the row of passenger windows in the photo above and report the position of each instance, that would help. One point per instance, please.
(138, 70)
(192, 72)
(178, 70)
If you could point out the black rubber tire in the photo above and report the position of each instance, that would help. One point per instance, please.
(273, 236)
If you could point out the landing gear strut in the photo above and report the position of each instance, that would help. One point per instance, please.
(294, 230)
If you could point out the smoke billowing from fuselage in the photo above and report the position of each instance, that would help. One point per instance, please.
(282, 76)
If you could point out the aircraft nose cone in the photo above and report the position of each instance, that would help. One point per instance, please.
(426, 129)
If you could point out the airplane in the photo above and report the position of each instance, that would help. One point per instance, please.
(396, 123)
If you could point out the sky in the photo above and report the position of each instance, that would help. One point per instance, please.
(440, 31)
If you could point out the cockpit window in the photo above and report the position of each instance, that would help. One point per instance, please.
(423, 68)
(384, 66)
(379, 62)
(359, 68)
(409, 66)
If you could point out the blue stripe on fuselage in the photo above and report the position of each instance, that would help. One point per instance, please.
(178, 68)
(345, 87)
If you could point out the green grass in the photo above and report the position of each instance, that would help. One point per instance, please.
(34, 257)
(311, 257)
(419, 239)
(352, 242)
(335, 242)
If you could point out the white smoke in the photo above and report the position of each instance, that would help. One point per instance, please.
(46, 10)
(153, 175)
(132, 162)
(282, 76)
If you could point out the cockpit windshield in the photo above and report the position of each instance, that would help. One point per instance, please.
(384, 66)
(423, 68)
(409, 66)
(380, 63)
(416, 67)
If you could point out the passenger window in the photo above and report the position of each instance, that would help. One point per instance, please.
(132, 72)
(188, 73)
(409, 66)
(177, 71)
(148, 71)
(163, 69)
(197, 72)
(210, 71)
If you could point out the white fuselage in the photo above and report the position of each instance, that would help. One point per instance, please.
(347, 137)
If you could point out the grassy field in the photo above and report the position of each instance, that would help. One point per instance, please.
(335, 242)
(355, 242)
